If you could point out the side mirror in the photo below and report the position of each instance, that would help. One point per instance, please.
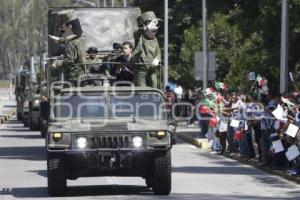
(45, 109)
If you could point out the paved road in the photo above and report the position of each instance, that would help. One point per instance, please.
(196, 175)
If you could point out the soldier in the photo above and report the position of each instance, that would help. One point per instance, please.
(97, 68)
(74, 52)
(147, 51)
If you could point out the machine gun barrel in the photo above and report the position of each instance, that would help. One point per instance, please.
(116, 63)
(54, 58)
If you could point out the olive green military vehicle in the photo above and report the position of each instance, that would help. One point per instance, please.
(33, 94)
(96, 131)
(21, 92)
(20, 86)
(109, 131)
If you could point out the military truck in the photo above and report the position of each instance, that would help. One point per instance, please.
(21, 88)
(105, 130)
(27, 93)
(109, 131)
(33, 94)
(20, 91)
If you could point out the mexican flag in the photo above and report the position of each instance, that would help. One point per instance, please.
(220, 86)
(260, 80)
(287, 102)
(208, 91)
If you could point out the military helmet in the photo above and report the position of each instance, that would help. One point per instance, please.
(92, 50)
(147, 16)
(66, 15)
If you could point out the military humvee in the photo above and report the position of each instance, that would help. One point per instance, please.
(20, 88)
(21, 92)
(109, 131)
(33, 94)
(105, 130)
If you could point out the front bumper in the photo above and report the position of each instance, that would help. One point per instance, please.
(108, 154)
(103, 163)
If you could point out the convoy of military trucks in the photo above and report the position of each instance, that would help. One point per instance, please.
(91, 131)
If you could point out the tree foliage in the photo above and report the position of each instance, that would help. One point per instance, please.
(245, 35)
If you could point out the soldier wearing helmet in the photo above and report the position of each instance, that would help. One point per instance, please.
(147, 51)
(75, 48)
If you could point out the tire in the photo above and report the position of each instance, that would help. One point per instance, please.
(19, 116)
(43, 130)
(25, 122)
(162, 181)
(33, 125)
(149, 182)
(57, 182)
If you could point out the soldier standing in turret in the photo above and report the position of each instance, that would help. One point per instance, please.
(147, 51)
(74, 53)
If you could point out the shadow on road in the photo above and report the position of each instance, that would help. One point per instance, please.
(24, 153)
(19, 129)
(129, 192)
(217, 170)
(73, 191)
(22, 136)
(258, 175)
(42, 173)
(13, 121)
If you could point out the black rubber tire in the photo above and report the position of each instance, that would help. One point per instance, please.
(25, 122)
(149, 182)
(43, 130)
(57, 183)
(19, 116)
(33, 126)
(162, 181)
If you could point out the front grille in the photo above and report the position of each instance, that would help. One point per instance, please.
(113, 142)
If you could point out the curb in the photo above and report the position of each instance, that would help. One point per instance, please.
(200, 143)
(5, 117)
(203, 144)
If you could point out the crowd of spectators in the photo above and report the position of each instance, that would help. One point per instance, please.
(262, 128)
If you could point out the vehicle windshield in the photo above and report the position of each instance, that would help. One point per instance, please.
(121, 105)
(137, 105)
(79, 106)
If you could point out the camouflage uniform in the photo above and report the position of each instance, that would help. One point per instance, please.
(75, 53)
(74, 49)
(99, 71)
(146, 51)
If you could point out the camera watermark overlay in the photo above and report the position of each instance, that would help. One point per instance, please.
(83, 104)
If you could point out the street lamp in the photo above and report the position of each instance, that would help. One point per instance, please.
(166, 41)
(204, 43)
(284, 47)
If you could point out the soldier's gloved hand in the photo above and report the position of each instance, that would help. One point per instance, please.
(155, 62)
(153, 25)
(55, 38)
(53, 66)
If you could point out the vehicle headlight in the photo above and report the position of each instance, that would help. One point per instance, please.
(161, 134)
(36, 102)
(57, 136)
(137, 141)
(81, 142)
